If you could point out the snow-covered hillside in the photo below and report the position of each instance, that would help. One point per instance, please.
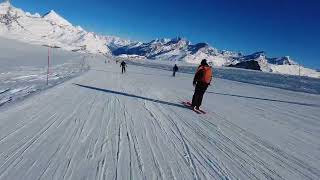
(23, 69)
(53, 30)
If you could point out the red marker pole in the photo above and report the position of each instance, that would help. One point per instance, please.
(48, 66)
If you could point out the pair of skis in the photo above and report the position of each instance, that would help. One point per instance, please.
(189, 105)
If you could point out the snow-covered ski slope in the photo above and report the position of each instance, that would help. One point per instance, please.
(23, 69)
(105, 125)
(288, 82)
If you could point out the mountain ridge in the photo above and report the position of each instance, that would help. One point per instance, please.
(51, 29)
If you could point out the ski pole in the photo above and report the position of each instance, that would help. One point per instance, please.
(48, 66)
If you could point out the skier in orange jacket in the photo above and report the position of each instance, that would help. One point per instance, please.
(201, 81)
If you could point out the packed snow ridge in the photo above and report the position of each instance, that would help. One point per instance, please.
(53, 30)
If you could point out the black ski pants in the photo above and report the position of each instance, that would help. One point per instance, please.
(198, 94)
(174, 73)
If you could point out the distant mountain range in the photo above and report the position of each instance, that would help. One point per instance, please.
(180, 49)
(53, 30)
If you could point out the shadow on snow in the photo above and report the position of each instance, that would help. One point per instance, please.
(133, 96)
(264, 99)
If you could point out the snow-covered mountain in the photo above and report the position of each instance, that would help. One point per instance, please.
(180, 49)
(177, 49)
(53, 30)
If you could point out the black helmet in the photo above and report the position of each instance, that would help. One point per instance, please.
(204, 62)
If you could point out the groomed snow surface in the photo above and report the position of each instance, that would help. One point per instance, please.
(105, 125)
(23, 69)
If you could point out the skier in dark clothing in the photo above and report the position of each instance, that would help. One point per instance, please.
(201, 81)
(123, 65)
(175, 69)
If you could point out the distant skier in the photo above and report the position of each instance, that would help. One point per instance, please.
(123, 65)
(201, 81)
(175, 69)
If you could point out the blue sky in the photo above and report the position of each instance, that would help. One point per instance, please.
(279, 27)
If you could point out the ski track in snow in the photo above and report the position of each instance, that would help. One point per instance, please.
(105, 125)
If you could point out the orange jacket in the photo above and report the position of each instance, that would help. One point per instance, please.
(203, 75)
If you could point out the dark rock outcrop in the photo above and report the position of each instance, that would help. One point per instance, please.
(253, 65)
